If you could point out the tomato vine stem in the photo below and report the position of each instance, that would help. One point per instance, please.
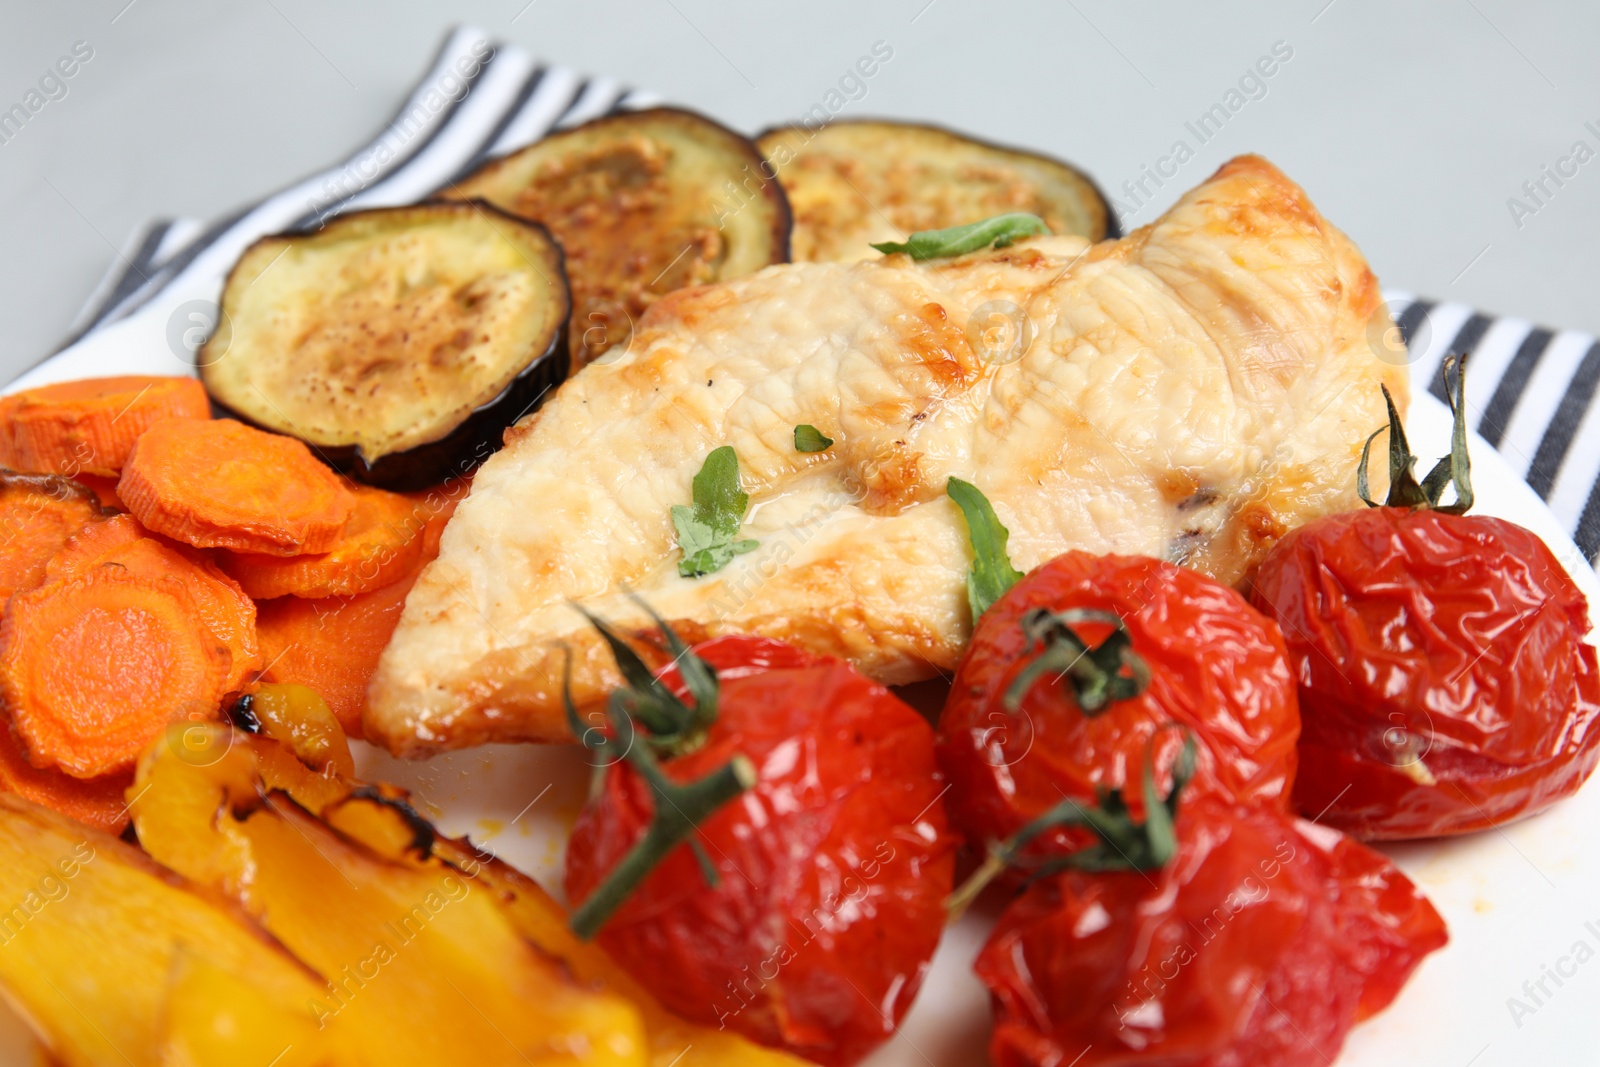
(1456, 468)
(1124, 845)
(671, 728)
(1098, 676)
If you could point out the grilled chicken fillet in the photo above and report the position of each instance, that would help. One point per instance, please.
(1192, 391)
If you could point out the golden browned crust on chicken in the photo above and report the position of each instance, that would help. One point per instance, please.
(1191, 391)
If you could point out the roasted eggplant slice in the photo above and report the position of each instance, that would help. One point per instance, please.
(398, 343)
(643, 202)
(852, 183)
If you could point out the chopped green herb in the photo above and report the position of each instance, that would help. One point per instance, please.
(807, 438)
(706, 530)
(1000, 231)
(991, 573)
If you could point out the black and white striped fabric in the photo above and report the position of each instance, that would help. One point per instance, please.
(478, 99)
(1531, 392)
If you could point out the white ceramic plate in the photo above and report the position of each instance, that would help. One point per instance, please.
(1519, 901)
(1515, 899)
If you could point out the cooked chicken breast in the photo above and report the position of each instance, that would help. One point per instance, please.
(1192, 391)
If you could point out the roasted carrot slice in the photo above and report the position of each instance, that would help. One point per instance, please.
(88, 426)
(94, 667)
(91, 545)
(222, 484)
(97, 802)
(121, 542)
(381, 543)
(438, 504)
(38, 514)
(331, 645)
(104, 488)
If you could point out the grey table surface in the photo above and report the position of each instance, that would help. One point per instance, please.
(1442, 135)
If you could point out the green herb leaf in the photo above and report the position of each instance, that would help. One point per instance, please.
(1000, 231)
(706, 530)
(807, 438)
(991, 573)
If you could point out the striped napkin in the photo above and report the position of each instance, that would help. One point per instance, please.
(1530, 392)
(479, 98)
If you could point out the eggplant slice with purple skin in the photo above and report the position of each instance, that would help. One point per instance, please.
(643, 202)
(854, 182)
(399, 343)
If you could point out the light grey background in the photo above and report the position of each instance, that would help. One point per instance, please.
(1411, 124)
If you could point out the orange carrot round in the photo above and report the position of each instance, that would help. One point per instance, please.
(94, 667)
(382, 541)
(91, 545)
(88, 426)
(97, 802)
(38, 514)
(438, 504)
(103, 487)
(331, 645)
(222, 484)
(121, 542)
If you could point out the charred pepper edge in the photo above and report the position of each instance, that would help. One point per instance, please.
(679, 808)
(1124, 845)
(424, 835)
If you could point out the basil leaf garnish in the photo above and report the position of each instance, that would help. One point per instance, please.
(807, 438)
(1000, 231)
(706, 530)
(991, 573)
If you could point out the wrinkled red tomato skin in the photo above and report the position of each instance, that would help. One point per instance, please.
(1217, 667)
(1260, 945)
(834, 867)
(1432, 646)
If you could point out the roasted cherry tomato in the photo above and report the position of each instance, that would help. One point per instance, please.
(1206, 661)
(1445, 684)
(1260, 942)
(832, 868)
